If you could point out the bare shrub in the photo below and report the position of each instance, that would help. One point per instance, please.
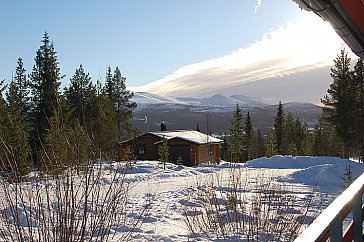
(89, 206)
(242, 206)
(72, 197)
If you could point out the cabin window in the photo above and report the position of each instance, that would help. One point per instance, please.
(211, 149)
(141, 149)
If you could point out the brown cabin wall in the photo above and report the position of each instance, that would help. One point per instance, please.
(151, 152)
(203, 155)
(217, 153)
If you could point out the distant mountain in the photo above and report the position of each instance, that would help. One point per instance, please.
(222, 100)
(144, 99)
(249, 100)
(150, 98)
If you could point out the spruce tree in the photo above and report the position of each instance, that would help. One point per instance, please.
(279, 129)
(81, 97)
(235, 140)
(252, 147)
(338, 102)
(164, 153)
(17, 141)
(319, 142)
(109, 88)
(304, 140)
(5, 160)
(224, 152)
(44, 83)
(124, 105)
(105, 130)
(289, 136)
(249, 138)
(326, 142)
(21, 87)
(116, 91)
(260, 150)
(248, 127)
(66, 144)
(271, 144)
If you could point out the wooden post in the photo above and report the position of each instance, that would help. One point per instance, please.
(357, 218)
(336, 234)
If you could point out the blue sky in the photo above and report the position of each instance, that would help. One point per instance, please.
(147, 39)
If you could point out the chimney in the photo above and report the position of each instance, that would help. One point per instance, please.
(163, 127)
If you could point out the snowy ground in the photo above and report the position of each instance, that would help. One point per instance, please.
(168, 190)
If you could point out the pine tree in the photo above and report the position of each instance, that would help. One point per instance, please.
(358, 82)
(279, 129)
(338, 108)
(44, 83)
(235, 140)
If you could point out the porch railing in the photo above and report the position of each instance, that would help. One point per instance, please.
(329, 223)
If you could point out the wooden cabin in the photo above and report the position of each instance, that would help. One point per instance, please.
(192, 146)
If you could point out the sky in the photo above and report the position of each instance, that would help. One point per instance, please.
(148, 40)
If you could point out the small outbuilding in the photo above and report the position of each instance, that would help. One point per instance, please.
(190, 146)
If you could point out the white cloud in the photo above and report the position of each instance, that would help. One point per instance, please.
(289, 50)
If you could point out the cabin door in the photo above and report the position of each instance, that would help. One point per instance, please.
(182, 151)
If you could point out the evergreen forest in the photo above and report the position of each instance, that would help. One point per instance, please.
(44, 127)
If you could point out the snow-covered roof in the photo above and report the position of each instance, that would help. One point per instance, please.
(188, 135)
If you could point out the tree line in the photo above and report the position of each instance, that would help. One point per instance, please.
(339, 132)
(48, 128)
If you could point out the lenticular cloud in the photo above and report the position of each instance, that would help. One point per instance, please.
(288, 53)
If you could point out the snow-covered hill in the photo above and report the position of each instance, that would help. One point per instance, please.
(222, 100)
(150, 98)
(147, 99)
(249, 100)
(320, 171)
